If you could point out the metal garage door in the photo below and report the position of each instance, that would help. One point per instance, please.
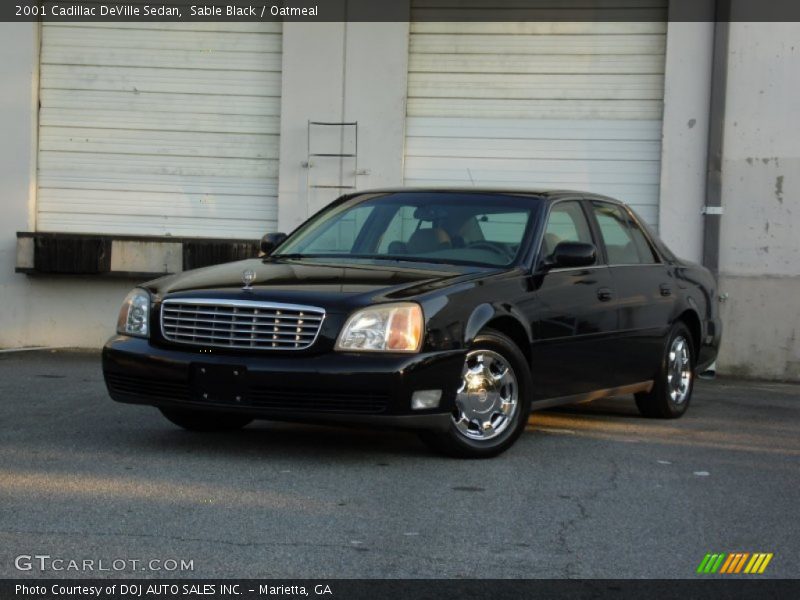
(159, 129)
(558, 105)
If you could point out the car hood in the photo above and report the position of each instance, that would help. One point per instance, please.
(318, 283)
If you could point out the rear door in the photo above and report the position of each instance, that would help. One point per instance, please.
(645, 292)
(573, 313)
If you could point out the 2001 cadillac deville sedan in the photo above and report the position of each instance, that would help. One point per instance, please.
(455, 312)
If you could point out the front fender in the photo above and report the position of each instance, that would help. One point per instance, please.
(506, 315)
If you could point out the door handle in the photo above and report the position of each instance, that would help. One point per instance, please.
(604, 294)
(666, 289)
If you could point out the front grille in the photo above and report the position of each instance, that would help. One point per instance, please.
(277, 400)
(157, 389)
(241, 324)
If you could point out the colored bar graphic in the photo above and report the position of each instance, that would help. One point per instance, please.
(765, 563)
(740, 564)
(727, 564)
(717, 563)
(734, 563)
(703, 563)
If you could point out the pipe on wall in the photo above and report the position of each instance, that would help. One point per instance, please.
(712, 213)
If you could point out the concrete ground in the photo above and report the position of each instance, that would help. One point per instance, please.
(591, 491)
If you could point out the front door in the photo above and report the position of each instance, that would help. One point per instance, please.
(573, 312)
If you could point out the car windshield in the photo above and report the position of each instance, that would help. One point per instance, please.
(444, 227)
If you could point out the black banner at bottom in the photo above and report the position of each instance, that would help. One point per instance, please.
(406, 589)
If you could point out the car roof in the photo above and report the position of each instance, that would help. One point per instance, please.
(543, 193)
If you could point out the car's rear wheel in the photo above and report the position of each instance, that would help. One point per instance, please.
(672, 389)
(493, 400)
(196, 420)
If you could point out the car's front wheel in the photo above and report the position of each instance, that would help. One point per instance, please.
(493, 400)
(196, 420)
(672, 390)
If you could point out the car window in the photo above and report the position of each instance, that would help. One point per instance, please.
(646, 253)
(566, 223)
(502, 227)
(485, 229)
(625, 243)
(340, 233)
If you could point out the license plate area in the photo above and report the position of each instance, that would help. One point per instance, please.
(222, 384)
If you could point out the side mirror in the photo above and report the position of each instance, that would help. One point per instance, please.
(271, 241)
(573, 254)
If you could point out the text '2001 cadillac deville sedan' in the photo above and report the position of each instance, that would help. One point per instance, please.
(454, 312)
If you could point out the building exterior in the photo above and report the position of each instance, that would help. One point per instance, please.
(137, 144)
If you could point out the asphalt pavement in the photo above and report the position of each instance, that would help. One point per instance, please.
(590, 491)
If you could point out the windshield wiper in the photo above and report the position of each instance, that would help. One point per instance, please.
(291, 256)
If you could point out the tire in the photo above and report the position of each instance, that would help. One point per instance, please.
(197, 420)
(672, 390)
(505, 406)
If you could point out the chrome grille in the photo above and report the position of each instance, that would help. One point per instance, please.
(243, 324)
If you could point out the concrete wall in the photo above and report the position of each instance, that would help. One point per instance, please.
(760, 251)
(687, 90)
(341, 72)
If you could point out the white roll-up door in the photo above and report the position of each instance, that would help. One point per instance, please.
(159, 128)
(538, 105)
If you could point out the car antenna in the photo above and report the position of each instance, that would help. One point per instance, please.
(469, 172)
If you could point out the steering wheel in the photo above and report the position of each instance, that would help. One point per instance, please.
(492, 247)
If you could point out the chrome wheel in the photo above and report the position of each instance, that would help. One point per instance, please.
(679, 370)
(488, 398)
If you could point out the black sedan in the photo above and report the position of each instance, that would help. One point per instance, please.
(454, 312)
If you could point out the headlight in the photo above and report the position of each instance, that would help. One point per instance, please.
(134, 316)
(383, 328)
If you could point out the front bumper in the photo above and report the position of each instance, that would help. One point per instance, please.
(332, 387)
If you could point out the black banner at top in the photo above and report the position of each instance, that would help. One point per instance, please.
(399, 10)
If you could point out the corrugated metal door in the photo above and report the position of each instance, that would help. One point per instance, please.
(535, 104)
(159, 129)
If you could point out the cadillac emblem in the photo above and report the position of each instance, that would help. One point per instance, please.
(248, 277)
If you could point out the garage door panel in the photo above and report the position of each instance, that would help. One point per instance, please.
(136, 166)
(522, 63)
(536, 45)
(176, 59)
(540, 27)
(88, 102)
(534, 109)
(159, 129)
(146, 79)
(144, 121)
(181, 38)
(149, 225)
(531, 169)
(161, 143)
(538, 105)
(200, 184)
(534, 148)
(534, 129)
(169, 205)
(546, 87)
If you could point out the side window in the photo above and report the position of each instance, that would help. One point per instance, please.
(566, 223)
(646, 254)
(625, 243)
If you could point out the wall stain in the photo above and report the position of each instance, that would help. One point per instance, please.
(779, 188)
(692, 123)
